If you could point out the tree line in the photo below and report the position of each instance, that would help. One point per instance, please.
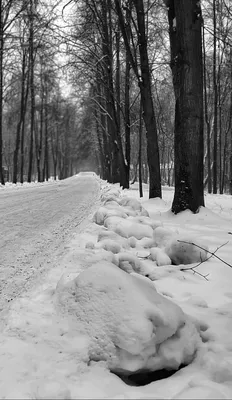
(150, 93)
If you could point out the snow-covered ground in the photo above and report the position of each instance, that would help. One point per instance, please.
(37, 221)
(85, 307)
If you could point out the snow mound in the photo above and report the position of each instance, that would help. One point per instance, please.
(128, 228)
(111, 193)
(112, 222)
(162, 236)
(131, 202)
(102, 213)
(109, 245)
(129, 325)
(111, 203)
(147, 243)
(147, 221)
(130, 263)
(158, 255)
(107, 234)
(132, 242)
(184, 250)
(102, 254)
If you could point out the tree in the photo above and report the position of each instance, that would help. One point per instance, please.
(144, 81)
(9, 12)
(185, 22)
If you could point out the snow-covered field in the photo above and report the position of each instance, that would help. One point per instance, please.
(113, 297)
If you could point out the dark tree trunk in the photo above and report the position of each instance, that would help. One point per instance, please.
(207, 119)
(144, 82)
(23, 131)
(41, 129)
(215, 131)
(127, 101)
(140, 150)
(99, 139)
(1, 93)
(118, 163)
(148, 108)
(230, 124)
(46, 174)
(32, 89)
(105, 147)
(19, 125)
(186, 64)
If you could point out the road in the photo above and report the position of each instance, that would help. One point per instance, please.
(37, 221)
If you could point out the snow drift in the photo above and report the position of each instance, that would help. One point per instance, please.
(130, 326)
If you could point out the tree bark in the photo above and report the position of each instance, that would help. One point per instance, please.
(215, 139)
(186, 64)
(46, 172)
(207, 120)
(117, 156)
(127, 102)
(32, 89)
(2, 180)
(21, 117)
(140, 150)
(148, 108)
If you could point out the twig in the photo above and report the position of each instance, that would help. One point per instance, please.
(212, 253)
(195, 272)
(195, 266)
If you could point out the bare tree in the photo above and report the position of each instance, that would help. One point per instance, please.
(185, 22)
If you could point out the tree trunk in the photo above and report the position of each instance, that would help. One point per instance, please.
(118, 163)
(46, 174)
(148, 108)
(23, 131)
(186, 64)
(144, 81)
(140, 150)
(127, 102)
(41, 129)
(19, 125)
(215, 162)
(207, 119)
(105, 147)
(32, 89)
(230, 124)
(1, 92)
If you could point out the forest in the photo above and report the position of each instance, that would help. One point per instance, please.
(131, 89)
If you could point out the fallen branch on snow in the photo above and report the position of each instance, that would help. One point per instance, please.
(212, 254)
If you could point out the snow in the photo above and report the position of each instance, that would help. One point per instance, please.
(128, 324)
(186, 250)
(165, 314)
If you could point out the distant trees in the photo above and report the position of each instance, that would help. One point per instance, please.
(9, 13)
(112, 42)
(38, 124)
(129, 116)
(217, 93)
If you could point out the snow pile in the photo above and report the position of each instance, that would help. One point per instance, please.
(130, 326)
(126, 217)
(186, 250)
(159, 256)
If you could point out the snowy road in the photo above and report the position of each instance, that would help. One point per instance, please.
(36, 223)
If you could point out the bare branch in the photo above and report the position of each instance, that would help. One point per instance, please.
(212, 253)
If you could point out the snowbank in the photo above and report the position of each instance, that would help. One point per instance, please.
(130, 326)
(186, 249)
